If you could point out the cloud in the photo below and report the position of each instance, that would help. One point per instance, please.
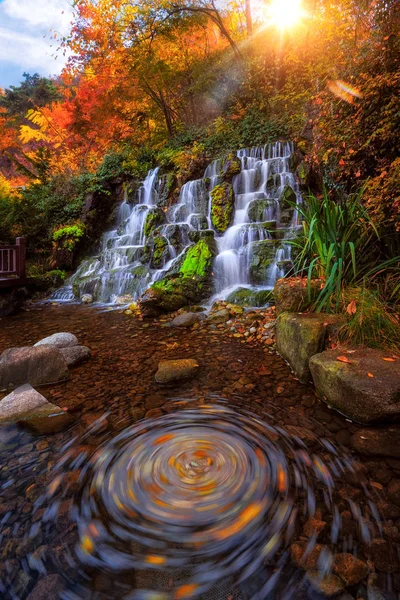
(26, 40)
(46, 14)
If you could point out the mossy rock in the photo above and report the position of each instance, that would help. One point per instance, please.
(303, 173)
(232, 166)
(258, 208)
(250, 297)
(155, 218)
(195, 236)
(166, 186)
(222, 205)
(287, 198)
(286, 217)
(159, 251)
(262, 257)
(199, 222)
(300, 336)
(295, 295)
(191, 284)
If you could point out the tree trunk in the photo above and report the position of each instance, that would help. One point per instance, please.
(249, 19)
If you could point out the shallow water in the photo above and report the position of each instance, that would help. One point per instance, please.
(265, 453)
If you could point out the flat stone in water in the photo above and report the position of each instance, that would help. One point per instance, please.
(24, 404)
(174, 370)
(60, 340)
(349, 568)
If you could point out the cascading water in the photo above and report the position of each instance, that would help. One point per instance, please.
(252, 253)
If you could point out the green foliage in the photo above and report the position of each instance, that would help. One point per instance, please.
(68, 236)
(340, 243)
(370, 321)
(34, 91)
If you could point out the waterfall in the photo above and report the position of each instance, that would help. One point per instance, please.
(253, 252)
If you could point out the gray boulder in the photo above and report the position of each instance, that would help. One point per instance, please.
(365, 389)
(301, 335)
(60, 340)
(175, 370)
(186, 319)
(26, 403)
(75, 355)
(34, 365)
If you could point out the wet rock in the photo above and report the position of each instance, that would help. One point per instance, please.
(60, 340)
(87, 298)
(25, 404)
(305, 435)
(291, 294)
(300, 336)
(219, 316)
(303, 557)
(384, 441)
(34, 365)
(250, 297)
(313, 527)
(382, 555)
(373, 591)
(186, 319)
(350, 569)
(175, 370)
(48, 588)
(347, 387)
(75, 355)
(329, 585)
(394, 491)
(222, 206)
(154, 401)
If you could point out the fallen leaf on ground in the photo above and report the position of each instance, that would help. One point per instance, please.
(370, 375)
(351, 308)
(343, 359)
(389, 359)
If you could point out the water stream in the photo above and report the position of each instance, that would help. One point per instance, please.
(252, 253)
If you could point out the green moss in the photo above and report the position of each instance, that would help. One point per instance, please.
(155, 217)
(262, 257)
(160, 245)
(249, 297)
(222, 204)
(288, 197)
(258, 208)
(232, 167)
(198, 259)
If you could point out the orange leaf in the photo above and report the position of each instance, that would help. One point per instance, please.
(389, 359)
(352, 307)
(370, 375)
(343, 359)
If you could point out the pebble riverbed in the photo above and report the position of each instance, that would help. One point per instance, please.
(115, 389)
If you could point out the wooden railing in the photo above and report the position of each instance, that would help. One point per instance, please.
(12, 259)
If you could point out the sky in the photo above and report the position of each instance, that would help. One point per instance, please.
(23, 47)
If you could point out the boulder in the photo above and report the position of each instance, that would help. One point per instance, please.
(34, 365)
(262, 256)
(26, 405)
(60, 340)
(301, 335)
(189, 285)
(232, 166)
(293, 294)
(222, 206)
(186, 319)
(259, 210)
(288, 197)
(382, 442)
(155, 217)
(75, 355)
(175, 370)
(365, 389)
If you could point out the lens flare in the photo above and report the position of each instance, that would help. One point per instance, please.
(283, 13)
(344, 90)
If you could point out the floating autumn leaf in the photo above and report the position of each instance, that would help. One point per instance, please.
(343, 359)
(351, 308)
(370, 375)
(389, 359)
(186, 591)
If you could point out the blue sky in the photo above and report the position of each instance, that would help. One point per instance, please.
(23, 47)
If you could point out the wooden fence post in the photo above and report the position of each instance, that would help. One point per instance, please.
(21, 256)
